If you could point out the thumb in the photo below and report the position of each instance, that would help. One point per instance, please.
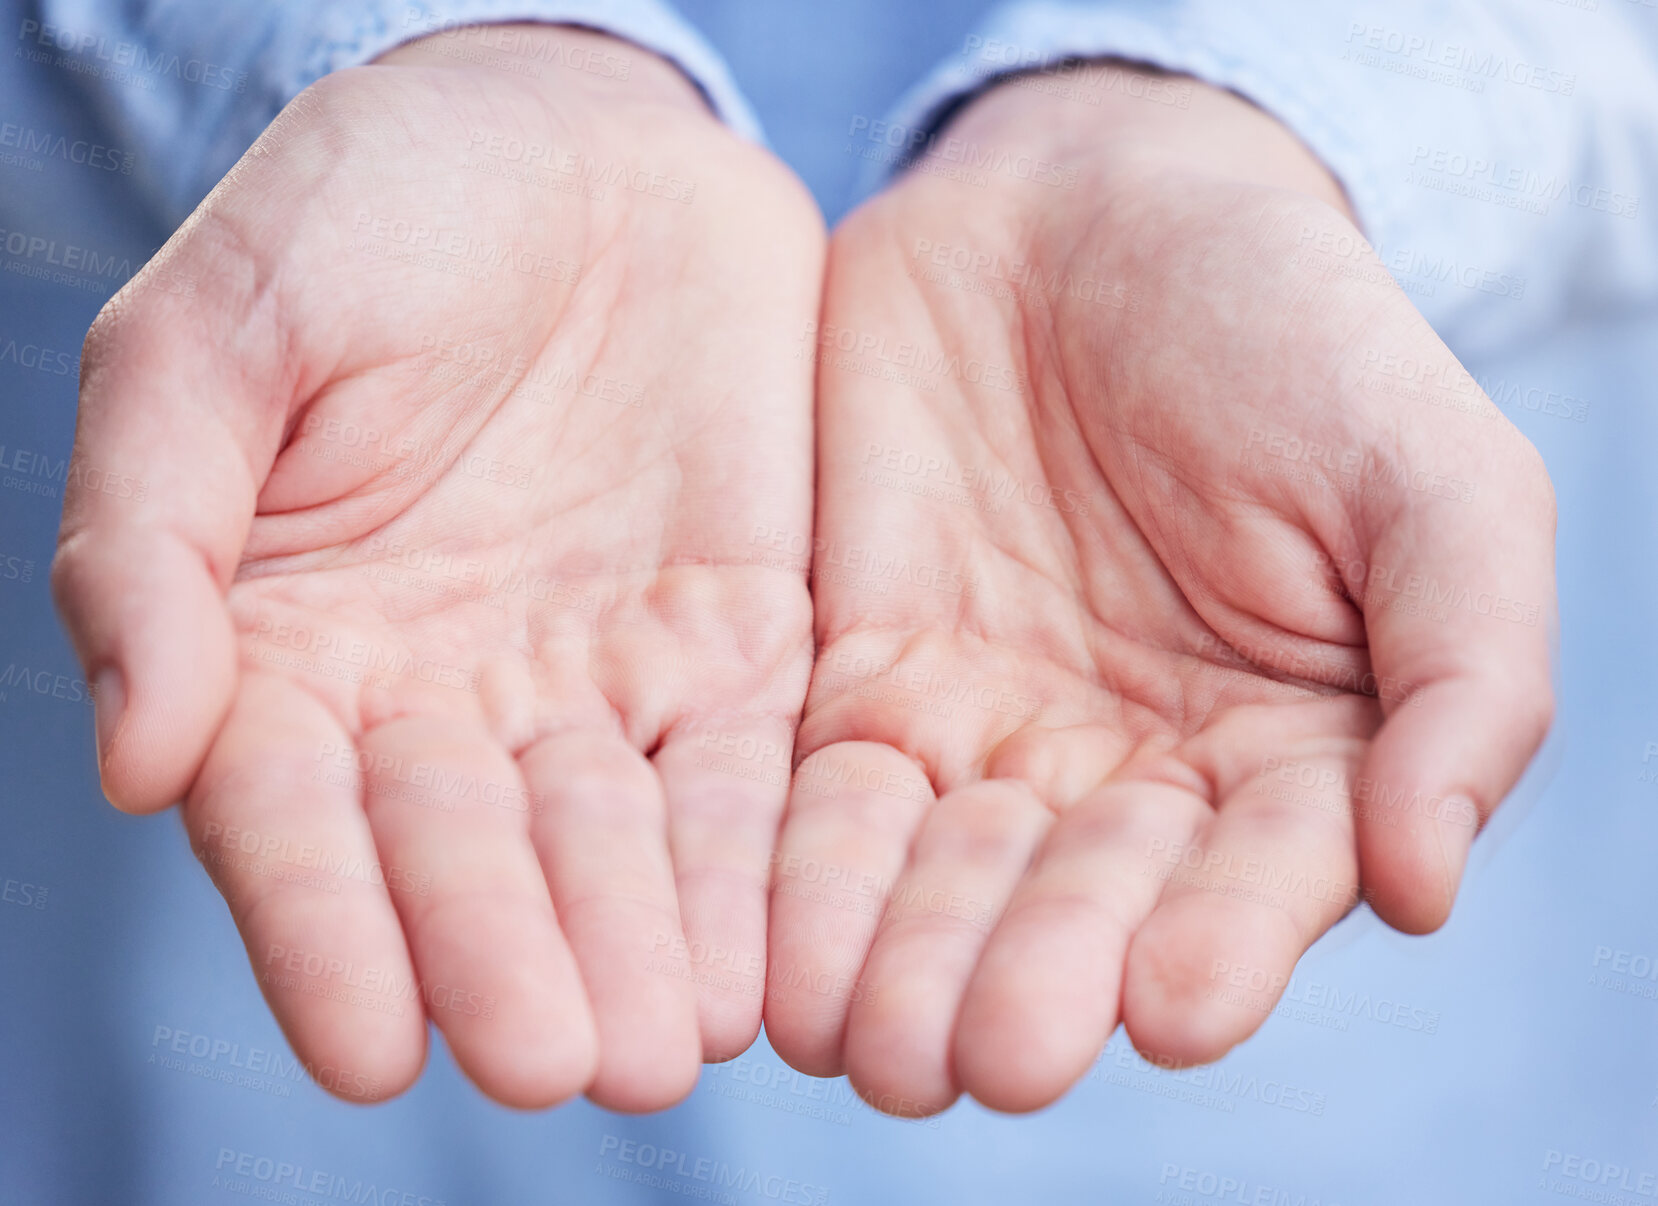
(181, 413)
(1456, 585)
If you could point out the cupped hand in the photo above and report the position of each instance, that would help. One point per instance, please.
(443, 611)
(1175, 590)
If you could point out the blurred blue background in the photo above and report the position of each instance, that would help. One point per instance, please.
(1528, 1044)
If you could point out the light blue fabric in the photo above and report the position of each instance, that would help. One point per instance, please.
(1512, 1058)
(189, 84)
(1500, 156)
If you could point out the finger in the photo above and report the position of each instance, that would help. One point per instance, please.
(1043, 1000)
(181, 411)
(276, 818)
(1458, 600)
(1273, 871)
(853, 809)
(972, 848)
(450, 816)
(725, 785)
(601, 836)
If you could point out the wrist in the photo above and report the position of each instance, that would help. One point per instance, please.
(1103, 117)
(562, 56)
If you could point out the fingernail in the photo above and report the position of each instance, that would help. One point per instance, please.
(109, 692)
(1457, 824)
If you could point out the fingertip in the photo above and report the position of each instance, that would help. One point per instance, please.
(109, 705)
(543, 1075)
(726, 1032)
(808, 1050)
(644, 1079)
(854, 809)
(898, 1105)
(1008, 1090)
(373, 1077)
(1180, 1007)
(149, 621)
(1413, 895)
(361, 1056)
(505, 993)
(1020, 1046)
(899, 1061)
(1411, 866)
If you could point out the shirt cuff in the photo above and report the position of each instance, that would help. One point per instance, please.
(358, 34)
(203, 78)
(1396, 97)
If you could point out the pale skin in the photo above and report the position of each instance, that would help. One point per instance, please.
(1134, 600)
(538, 577)
(469, 619)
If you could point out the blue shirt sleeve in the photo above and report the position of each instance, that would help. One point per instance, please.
(1498, 155)
(191, 83)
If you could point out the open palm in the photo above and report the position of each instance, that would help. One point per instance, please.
(446, 612)
(1128, 682)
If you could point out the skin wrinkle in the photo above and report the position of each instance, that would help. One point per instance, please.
(1180, 545)
(1094, 619)
(1176, 471)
